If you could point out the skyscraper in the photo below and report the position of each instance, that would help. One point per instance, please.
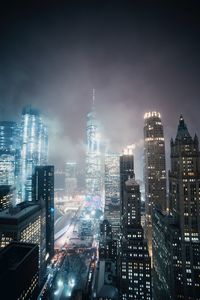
(154, 169)
(112, 191)
(177, 236)
(134, 260)
(94, 155)
(34, 149)
(43, 191)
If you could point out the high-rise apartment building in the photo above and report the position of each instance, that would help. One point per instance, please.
(112, 191)
(43, 191)
(34, 148)
(134, 262)
(176, 237)
(94, 155)
(154, 170)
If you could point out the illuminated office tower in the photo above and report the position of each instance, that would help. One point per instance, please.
(154, 169)
(134, 262)
(177, 237)
(70, 178)
(43, 191)
(94, 155)
(25, 223)
(9, 152)
(112, 191)
(34, 149)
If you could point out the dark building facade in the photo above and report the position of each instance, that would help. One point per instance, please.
(19, 275)
(134, 262)
(43, 191)
(180, 236)
(134, 259)
(126, 172)
(154, 170)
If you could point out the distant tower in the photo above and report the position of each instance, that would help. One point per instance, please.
(134, 260)
(94, 154)
(34, 148)
(154, 169)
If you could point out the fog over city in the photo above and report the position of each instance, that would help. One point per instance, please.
(137, 59)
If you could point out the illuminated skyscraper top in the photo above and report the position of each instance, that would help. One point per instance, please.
(154, 168)
(34, 148)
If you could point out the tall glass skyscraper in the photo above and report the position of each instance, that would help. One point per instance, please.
(34, 148)
(154, 169)
(94, 155)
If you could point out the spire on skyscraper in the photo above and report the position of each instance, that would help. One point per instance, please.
(182, 132)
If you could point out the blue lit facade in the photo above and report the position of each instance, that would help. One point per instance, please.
(94, 156)
(34, 148)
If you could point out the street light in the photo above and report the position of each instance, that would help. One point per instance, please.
(60, 283)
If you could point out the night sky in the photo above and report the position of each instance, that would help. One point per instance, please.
(139, 56)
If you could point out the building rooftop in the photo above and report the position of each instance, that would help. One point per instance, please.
(18, 214)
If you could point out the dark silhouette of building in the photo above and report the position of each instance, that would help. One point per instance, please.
(19, 275)
(134, 262)
(154, 170)
(43, 191)
(126, 172)
(176, 238)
